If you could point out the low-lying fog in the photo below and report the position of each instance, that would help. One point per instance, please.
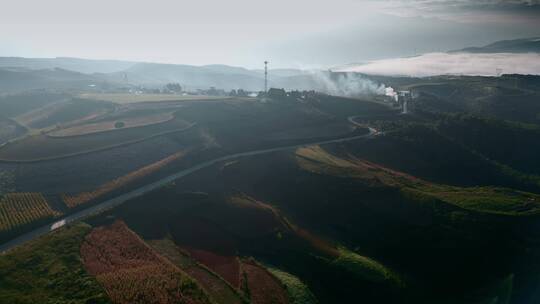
(433, 64)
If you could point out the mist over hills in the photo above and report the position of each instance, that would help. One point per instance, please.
(77, 73)
(510, 56)
(20, 79)
(87, 66)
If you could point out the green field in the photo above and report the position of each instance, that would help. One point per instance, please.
(299, 292)
(49, 270)
(496, 200)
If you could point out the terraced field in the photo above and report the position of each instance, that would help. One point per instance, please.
(494, 200)
(26, 272)
(20, 209)
(132, 272)
(126, 98)
(111, 125)
(43, 147)
(216, 287)
(262, 286)
(76, 200)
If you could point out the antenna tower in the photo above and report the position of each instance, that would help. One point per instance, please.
(266, 77)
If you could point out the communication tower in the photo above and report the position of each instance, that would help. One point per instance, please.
(266, 77)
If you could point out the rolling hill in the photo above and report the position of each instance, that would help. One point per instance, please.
(525, 45)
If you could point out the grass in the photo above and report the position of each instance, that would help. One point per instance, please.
(49, 270)
(494, 200)
(365, 268)
(487, 199)
(299, 292)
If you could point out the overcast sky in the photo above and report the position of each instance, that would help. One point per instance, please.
(289, 33)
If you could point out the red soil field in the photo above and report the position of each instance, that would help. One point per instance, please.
(263, 287)
(132, 272)
(228, 267)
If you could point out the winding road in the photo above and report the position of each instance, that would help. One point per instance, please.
(108, 204)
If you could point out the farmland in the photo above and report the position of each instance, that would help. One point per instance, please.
(495, 200)
(262, 287)
(216, 287)
(64, 113)
(227, 267)
(9, 129)
(43, 147)
(20, 209)
(390, 218)
(132, 272)
(129, 122)
(50, 268)
(126, 98)
(298, 292)
(76, 200)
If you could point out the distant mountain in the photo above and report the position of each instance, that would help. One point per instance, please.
(527, 45)
(18, 73)
(219, 76)
(87, 66)
(192, 77)
(20, 79)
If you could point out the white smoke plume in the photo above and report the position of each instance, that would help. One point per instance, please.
(347, 84)
(389, 91)
(434, 64)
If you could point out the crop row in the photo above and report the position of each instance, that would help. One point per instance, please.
(19, 209)
(132, 272)
(73, 201)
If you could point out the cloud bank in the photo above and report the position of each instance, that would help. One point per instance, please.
(434, 64)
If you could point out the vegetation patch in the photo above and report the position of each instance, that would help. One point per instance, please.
(496, 200)
(299, 292)
(49, 270)
(132, 272)
(262, 286)
(365, 268)
(20, 209)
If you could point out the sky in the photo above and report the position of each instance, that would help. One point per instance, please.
(288, 33)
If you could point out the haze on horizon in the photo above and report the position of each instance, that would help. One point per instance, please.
(299, 34)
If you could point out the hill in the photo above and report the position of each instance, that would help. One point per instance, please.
(86, 66)
(525, 45)
(23, 79)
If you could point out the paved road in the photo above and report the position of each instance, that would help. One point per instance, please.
(106, 205)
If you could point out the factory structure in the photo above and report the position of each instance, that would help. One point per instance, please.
(404, 100)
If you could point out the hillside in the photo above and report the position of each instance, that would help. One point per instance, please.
(86, 66)
(525, 45)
